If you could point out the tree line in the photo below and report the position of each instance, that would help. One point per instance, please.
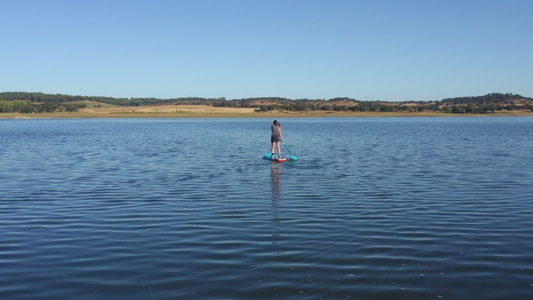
(60, 98)
(486, 99)
(24, 102)
(26, 107)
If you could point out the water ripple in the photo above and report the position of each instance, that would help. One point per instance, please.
(150, 209)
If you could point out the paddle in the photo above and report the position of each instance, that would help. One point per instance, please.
(292, 156)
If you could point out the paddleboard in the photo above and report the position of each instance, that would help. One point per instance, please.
(274, 157)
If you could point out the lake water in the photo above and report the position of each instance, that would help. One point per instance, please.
(374, 208)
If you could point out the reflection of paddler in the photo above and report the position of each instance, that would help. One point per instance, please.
(275, 177)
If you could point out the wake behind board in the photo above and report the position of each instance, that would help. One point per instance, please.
(274, 157)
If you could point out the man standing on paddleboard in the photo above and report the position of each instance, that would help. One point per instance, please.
(276, 137)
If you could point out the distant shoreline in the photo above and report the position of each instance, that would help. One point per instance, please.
(203, 111)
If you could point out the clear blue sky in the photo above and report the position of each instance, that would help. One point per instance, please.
(368, 50)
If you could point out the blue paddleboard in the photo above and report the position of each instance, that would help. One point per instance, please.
(274, 157)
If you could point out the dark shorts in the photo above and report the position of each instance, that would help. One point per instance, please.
(275, 138)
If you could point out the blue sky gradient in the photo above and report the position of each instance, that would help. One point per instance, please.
(366, 50)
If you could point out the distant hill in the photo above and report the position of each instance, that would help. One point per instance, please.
(33, 102)
(487, 103)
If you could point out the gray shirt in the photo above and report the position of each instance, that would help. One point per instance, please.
(275, 130)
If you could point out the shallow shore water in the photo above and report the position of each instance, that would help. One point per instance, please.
(203, 111)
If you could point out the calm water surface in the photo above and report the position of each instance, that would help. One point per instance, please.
(375, 208)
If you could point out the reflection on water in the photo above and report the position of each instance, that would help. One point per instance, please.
(276, 174)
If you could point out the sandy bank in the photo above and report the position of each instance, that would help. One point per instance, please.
(202, 111)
